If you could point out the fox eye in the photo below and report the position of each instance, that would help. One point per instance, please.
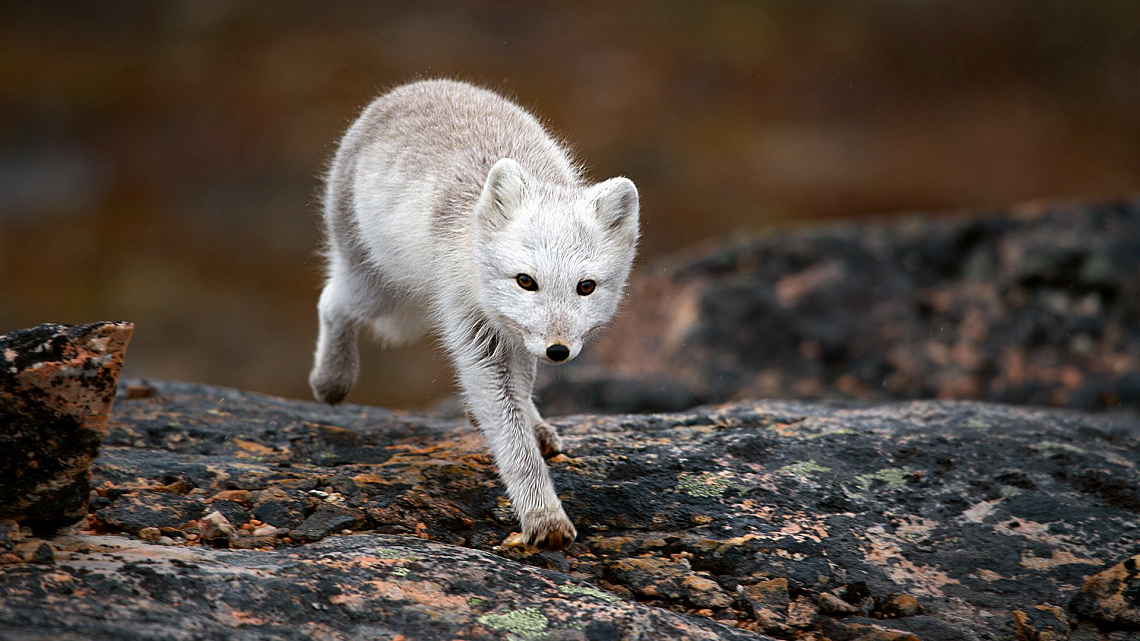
(586, 287)
(526, 282)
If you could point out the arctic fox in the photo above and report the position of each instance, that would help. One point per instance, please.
(449, 208)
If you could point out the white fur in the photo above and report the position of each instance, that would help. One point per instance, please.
(439, 196)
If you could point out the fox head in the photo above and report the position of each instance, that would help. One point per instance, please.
(553, 261)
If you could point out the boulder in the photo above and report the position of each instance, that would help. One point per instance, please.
(928, 519)
(1036, 305)
(57, 385)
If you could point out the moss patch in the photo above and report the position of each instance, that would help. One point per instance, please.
(707, 485)
(525, 623)
(591, 591)
(893, 477)
(805, 468)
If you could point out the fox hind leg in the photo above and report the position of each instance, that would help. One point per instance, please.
(336, 363)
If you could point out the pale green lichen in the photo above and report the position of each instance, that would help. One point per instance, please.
(476, 600)
(805, 468)
(400, 571)
(585, 589)
(893, 477)
(1009, 491)
(526, 623)
(1053, 445)
(707, 485)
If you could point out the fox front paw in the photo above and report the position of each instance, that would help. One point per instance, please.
(548, 441)
(330, 388)
(551, 532)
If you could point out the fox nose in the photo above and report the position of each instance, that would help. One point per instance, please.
(557, 352)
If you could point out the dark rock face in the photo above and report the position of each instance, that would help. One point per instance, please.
(1112, 596)
(1040, 305)
(929, 520)
(371, 586)
(57, 384)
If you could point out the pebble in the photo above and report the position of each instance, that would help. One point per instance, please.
(151, 534)
(216, 527)
(266, 530)
(832, 604)
(43, 553)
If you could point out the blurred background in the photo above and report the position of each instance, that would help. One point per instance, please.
(159, 161)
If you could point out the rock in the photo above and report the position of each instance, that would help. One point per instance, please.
(141, 509)
(705, 593)
(1042, 623)
(9, 534)
(1112, 595)
(831, 604)
(235, 512)
(974, 511)
(36, 552)
(847, 630)
(1037, 305)
(266, 530)
(769, 602)
(278, 507)
(651, 578)
(897, 605)
(216, 529)
(345, 587)
(326, 520)
(150, 533)
(57, 385)
(253, 542)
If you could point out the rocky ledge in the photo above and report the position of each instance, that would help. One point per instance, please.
(57, 384)
(223, 514)
(1038, 305)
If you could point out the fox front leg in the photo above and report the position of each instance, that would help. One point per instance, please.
(544, 433)
(507, 424)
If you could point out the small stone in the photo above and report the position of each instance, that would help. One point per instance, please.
(705, 593)
(42, 553)
(831, 604)
(253, 542)
(8, 558)
(151, 534)
(235, 512)
(134, 511)
(266, 530)
(216, 528)
(650, 577)
(894, 606)
(1044, 623)
(771, 594)
(802, 612)
(327, 519)
(166, 540)
(276, 507)
(840, 630)
(241, 496)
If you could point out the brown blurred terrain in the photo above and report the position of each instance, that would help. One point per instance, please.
(158, 161)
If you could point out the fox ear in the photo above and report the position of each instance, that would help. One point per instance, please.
(617, 204)
(504, 192)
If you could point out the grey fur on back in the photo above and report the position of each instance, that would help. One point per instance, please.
(452, 129)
